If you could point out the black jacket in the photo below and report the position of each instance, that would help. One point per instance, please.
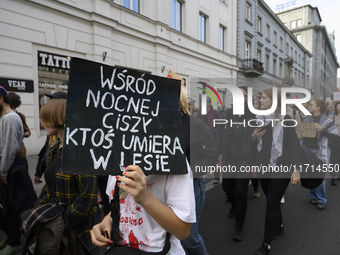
(224, 133)
(200, 148)
(20, 194)
(290, 150)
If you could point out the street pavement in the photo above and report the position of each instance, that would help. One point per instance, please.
(308, 231)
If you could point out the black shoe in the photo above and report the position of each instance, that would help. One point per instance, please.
(264, 250)
(279, 232)
(238, 233)
(232, 212)
(321, 206)
(333, 182)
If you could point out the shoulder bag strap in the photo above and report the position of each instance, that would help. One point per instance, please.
(115, 215)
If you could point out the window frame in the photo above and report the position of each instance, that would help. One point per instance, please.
(267, 32)
(202, 36)
(221, 38)
(248, 11)
(177, 20)
(259, 24)
(247, 52)
(291, 24)
(259, 55)
(275, 38)
(297, 23)
(298, 35)
(131, 5)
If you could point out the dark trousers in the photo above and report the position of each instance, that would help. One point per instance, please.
(274, 189)
(237, 192)
(255, 183)
(229, 187)
(10, 224)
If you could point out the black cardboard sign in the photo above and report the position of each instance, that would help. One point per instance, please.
(117, 117)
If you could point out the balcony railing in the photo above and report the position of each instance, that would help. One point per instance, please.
(252, 67)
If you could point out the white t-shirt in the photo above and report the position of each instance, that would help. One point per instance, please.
(138, 229)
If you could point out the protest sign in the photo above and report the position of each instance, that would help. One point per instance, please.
(306, 130)
(336, 96)
(117, 117)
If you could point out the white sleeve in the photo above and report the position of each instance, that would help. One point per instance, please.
(111, 183)
(180, 196)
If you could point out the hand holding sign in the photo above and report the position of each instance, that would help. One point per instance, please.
(117, 116)
(306, 130)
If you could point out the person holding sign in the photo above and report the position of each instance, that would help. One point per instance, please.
(78, 192)
(274, 146)
(153, 206)
(319, 144)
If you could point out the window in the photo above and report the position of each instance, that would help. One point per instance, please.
(287, 49)
(176, 15)
(202, 27)
(281, 43)
(247, 50)
(267, 63)
(298, 37)
(248, 11)
(280, 70)
(307, 65)
(299, 23)
(291, 52)
(295, 56)
(293, 24)
(132, 5)
(221, 38)
(275, 38)
(259, 28)
(268, 32)
(274, 66)
(299, 59)
(258, 57)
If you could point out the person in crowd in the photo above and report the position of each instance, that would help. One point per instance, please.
(15, 102)
(78, 192)
(195, 113)
(16, 188)
(256, 103)
(209, 120)
(319, 145)
(191, 105)
(254, 180)
(274, 145)
(291, 111)
(330, 111)
(200, 151)
(336, 120)
(50, 143)
(232, 142)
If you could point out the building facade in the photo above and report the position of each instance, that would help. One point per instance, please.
(267, 51)
(38, 39)
(305, 23)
